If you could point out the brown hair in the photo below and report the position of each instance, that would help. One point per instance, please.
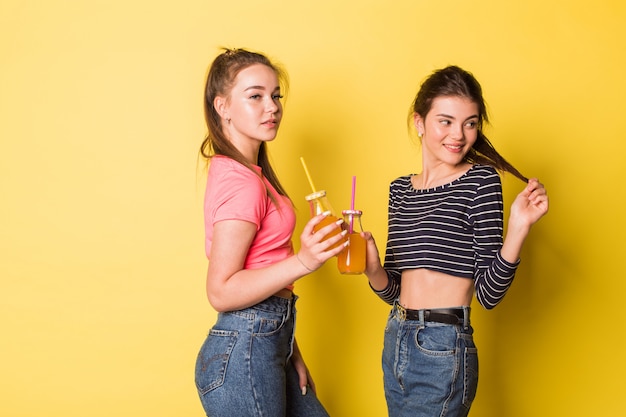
(456, 82)
(220, 80)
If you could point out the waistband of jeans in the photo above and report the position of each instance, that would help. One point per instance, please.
(276, 303)
(453, 316)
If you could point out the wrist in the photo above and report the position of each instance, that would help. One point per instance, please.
(518, 228)
(303, 263)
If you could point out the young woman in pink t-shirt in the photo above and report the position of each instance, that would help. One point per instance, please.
(250, 363)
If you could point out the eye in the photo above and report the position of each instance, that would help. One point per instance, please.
(445, 122)
(472, 124)
(277, 97)
(255, 96)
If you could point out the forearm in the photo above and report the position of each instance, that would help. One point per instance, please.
(513, 242)
(384, 284)
(493, 283)
(381, 282)
(248, 287)
(378, 278)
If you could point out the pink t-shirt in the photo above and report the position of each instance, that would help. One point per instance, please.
(233, 192)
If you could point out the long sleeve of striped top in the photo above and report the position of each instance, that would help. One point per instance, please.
(455, 229)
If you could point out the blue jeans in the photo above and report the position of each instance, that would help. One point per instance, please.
(244, 367)
(430, 369)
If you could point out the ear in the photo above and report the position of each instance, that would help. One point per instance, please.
(221, 107)
(419, 124)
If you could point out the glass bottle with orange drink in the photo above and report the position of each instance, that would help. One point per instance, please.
(351, 261)
(318, 203)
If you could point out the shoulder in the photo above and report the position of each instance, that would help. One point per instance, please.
(402, 181)
(234, 192)
(483, 175)
(486, 187)
(484, 171)
(228, 180)
(219, 164)
(400, 185)
(222, 168)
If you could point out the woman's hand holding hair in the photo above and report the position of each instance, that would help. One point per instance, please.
(529, 205)
(314, 250)
(527, 208)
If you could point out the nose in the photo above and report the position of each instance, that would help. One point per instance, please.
(456, 132)
(271, 106)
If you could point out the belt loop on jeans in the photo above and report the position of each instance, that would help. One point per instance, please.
(466, 316)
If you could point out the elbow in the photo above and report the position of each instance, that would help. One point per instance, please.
(218, 295)
(487, 304)
(218, 303)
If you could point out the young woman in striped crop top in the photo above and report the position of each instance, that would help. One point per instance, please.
(445, 243)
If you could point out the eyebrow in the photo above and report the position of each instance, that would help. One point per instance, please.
(475, 116)
(260, 87)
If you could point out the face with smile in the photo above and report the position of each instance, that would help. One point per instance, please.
(449, 130)
(252, 111)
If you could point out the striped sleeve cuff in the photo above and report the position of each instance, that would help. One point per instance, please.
(495, 283)
(392, 291)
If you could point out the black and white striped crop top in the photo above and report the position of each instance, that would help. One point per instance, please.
(455, 228)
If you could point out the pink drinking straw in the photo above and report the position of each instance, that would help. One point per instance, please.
(352, 203)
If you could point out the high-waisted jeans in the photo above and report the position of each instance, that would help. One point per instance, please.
(244, 367)
(430, 369)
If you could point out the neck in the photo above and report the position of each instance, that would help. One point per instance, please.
(249, 149)
(439, 175)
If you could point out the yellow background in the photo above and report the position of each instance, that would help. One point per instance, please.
(102, 304)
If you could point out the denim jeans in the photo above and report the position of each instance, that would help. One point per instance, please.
(244, 367)
(429, 369)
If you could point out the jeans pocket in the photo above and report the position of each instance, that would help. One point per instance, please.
(213, 359)
(268, 327)
(436, 341)
(470, 380)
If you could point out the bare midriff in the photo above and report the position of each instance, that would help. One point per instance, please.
(423, 288)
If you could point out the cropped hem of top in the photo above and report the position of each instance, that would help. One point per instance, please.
(455, 229)
(234, 192)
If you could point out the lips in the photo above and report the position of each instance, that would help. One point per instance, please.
(454, 148)
(271, 123)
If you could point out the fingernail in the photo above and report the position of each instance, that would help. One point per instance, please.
(326, 213)
(304, 390)
(344, 232)
(339, 221)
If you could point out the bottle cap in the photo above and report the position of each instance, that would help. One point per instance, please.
(315, 195)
